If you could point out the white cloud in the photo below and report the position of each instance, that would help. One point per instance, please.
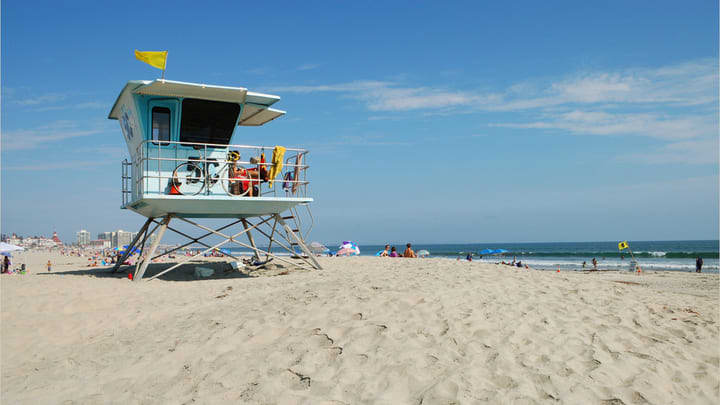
(642, 124)
(77, 106)
(41, 136)
(308, 66)
(674, 103)
(42, 166)
(41, 99)
(690, 83)
(703, 151)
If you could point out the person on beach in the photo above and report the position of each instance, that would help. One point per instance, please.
(594, 262)
(6, 264)
(49, 266)
(408, 251)
(698, 265)
(468, 257)
(393, 252)
(584, 264)
(385, 252)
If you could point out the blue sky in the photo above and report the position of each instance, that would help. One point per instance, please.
(426, 121)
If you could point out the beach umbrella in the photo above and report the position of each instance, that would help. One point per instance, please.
(7, 248)
(317, 247)
(486, 252)
(352, 246)
(348, 248)
(423, 253)
(346, 252)
(499, 251)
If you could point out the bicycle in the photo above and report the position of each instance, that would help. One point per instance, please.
(196, 175)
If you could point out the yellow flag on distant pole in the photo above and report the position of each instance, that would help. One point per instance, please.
(622, 245)
(156, 59)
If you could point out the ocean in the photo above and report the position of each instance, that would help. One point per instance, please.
(651, 255)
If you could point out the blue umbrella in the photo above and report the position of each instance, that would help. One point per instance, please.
(487, 252)
(499, 251)
(134, 249)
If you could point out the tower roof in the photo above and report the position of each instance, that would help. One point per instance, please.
(256, 112)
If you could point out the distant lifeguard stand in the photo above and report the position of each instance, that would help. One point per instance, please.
(182, 166)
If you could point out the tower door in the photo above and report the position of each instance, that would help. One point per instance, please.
(163, 127)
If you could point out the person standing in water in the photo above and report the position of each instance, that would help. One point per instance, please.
(594, 262)
(698, 265)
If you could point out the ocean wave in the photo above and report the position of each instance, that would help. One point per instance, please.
(568, 264)
(608, 254)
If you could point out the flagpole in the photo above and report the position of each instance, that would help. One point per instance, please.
(631, 253)
(164, 66)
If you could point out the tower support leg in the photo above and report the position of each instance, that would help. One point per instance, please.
(250, 238)
(132, 244)
(141, 271)
(299, 241)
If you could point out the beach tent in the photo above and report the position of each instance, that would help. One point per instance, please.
(348, 248)
(423, 253)
(6, 248)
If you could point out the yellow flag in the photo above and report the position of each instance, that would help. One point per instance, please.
(622, 245)
(153, 58)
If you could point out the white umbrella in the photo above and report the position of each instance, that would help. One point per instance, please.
(318, 246)
(7, 248)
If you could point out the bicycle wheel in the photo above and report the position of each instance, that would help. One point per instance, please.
(188, 178)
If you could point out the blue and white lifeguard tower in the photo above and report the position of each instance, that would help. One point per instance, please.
(183, 167)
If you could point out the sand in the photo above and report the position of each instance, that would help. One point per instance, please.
(363, 330)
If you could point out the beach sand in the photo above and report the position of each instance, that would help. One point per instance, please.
(363, 330)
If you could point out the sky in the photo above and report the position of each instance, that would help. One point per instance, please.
(429, 122)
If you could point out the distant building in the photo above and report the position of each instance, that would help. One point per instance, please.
(106, 236)
(99, 244)
(83, 237)
(122, 238)
(56, 239)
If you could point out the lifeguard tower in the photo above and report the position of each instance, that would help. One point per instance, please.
(183, 167)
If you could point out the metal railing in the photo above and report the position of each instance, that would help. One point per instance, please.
(126, 178)
(203, 169)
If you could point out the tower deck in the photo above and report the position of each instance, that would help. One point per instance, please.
(213, 206)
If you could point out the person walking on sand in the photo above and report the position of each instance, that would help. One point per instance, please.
(594, 262)
(408, 251)
(49, 266)
(5, 264)
(698, 265)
